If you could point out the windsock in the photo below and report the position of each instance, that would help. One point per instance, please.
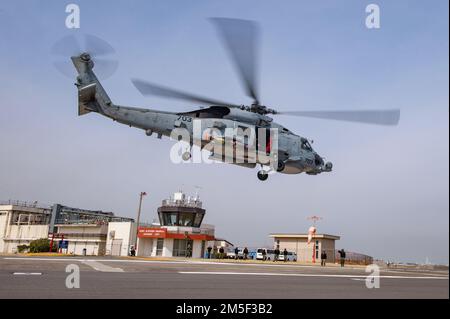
(311, 232)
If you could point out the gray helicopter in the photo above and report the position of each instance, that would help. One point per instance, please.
(294, 153)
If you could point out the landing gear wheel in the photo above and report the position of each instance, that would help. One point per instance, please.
(186, 156)
(280, 166)
(262, 175)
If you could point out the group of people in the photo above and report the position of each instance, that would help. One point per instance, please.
(244, 253)
(221, 254)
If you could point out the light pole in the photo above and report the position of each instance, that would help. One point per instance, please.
(141, 195)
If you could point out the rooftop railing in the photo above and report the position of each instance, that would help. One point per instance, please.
(182, 203)
(34, 204)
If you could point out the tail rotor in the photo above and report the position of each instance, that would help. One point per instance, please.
(86, 46)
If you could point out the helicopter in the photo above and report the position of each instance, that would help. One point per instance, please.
(294, 153)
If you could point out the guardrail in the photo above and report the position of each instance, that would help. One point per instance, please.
(182, 203)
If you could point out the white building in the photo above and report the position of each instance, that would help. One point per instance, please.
(309, 252)
(20, 224)
(121, 236)
(222, 243)
(85, 231)
(83, 239)
(175, 241)
(180, 232)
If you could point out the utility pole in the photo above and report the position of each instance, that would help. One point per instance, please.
(138, 218)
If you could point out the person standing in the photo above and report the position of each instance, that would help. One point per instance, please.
(189, 250)
(236, 253)
(277, 254)
(342, 256)
(245, 253)
(221, 253)
(285, 253)
(209, 251)
(264, 253)
(323, 258)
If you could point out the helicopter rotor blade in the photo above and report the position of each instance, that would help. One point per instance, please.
(65, 69)
(67, 46)
(147, 88)
(96, 46)
(241, 38)
(105, 68)
(378, 117)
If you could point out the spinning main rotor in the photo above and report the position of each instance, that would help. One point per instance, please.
(241, 38)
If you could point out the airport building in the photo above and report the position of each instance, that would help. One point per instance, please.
(121, 237)
(75, 231)
(222, 243)
(180, 231)
(309, 252)
(20, 223)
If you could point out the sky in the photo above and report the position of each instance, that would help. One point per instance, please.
(388, 194)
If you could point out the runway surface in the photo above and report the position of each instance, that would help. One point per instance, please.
(45, 277)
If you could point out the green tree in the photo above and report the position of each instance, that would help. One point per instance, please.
(41, 245)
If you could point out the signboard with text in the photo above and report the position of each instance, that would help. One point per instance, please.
(63, 244)
(145, 232)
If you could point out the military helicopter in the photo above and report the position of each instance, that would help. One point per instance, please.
(294, 155)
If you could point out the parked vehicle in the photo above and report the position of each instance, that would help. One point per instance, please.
(290, 256)
(230, 254)
(241, 253)
(252, 254)
(259, 253)
(269, 254)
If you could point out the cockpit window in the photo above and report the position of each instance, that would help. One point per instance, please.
(306, 146)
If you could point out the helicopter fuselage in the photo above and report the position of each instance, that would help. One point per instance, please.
(294, 153)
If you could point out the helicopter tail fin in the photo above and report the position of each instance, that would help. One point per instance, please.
(91, 95)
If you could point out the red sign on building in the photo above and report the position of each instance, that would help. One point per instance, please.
(145, 232)
(148, 232)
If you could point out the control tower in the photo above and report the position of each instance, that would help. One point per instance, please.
(182, 211)
(180, 232)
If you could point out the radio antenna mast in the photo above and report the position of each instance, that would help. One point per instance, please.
(197, 189)
(315, 219)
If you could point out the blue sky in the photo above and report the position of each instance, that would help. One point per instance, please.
(388, 195)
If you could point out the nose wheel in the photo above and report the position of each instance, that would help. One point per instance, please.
(262, 175)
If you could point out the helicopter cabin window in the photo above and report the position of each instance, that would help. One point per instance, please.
(306, 146)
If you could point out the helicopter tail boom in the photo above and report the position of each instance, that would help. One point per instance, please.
(91, 95)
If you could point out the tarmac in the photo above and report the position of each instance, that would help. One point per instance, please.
(45, 276)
